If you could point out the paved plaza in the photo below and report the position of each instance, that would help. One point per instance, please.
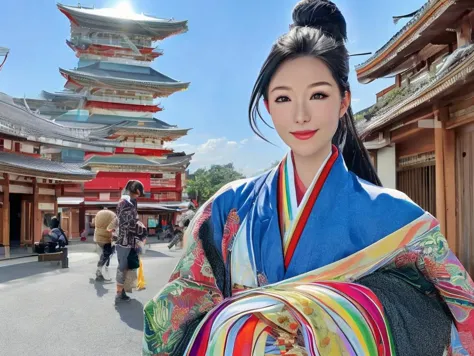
(51, 311)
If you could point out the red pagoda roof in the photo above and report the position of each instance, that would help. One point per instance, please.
(122, 106)
(114, 20)
(144, 54)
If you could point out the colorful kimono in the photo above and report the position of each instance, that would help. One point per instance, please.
(262, 275)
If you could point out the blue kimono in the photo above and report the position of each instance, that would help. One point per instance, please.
(236, 243)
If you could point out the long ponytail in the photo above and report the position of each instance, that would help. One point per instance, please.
(353, 150)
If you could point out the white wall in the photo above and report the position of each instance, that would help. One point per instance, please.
(387, 166)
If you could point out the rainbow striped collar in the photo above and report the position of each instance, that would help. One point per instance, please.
(293, 217)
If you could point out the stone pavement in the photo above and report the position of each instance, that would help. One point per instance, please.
(46, 310)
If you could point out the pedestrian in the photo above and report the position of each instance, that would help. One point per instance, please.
(130, 231)
(105, 223)
(54, 238)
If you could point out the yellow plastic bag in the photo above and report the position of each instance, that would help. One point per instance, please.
(141, 277)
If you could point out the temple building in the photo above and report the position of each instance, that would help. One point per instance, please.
(112, 92)
(420, 132)
(31, 177)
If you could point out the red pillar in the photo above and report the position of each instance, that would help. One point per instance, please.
(179, 187)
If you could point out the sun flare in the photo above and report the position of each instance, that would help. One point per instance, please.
(124, 9)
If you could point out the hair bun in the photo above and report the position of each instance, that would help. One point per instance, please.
(323, 15)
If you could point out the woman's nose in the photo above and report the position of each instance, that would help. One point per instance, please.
(302, 113)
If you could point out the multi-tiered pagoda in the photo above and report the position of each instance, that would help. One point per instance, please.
(112, 91)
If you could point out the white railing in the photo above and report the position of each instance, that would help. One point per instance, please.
(162, 183)
(168, 196)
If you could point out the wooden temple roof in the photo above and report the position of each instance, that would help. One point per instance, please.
(106, 125)
(130, 162)
(18, 121)
(97, 75)
(457, 69)
(46, 107)
(114, 20)
(42, 168)
(427, 26)
(134, 127)
(64, 96)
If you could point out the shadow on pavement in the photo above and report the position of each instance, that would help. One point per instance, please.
(131, 313)
(99, 287)
(28, 269)
(152, 253)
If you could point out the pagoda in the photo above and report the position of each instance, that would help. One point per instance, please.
(112, 92)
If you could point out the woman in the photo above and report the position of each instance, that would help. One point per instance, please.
(129, 231)
(314, 257)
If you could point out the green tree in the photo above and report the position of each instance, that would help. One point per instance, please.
(205, 182)
(273, 165)
(270, 167)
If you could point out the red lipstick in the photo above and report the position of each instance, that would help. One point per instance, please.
(304, 135)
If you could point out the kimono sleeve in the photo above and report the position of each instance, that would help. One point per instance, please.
(172, 316)
(439, 268)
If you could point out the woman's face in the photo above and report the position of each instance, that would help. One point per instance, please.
(305, 104)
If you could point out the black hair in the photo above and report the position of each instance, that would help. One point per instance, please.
(135, 187)
(318, 30)
(54, 223)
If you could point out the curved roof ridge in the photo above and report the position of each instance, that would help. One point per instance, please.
(17, 119)
(421, 11)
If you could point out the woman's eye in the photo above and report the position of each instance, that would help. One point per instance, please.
(282, 99)
(318, 96)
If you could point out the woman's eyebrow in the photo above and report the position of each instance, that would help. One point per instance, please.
(316, 84)
(281, 87)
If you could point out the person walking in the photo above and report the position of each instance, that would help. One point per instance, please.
(105, 224)
(129, 231)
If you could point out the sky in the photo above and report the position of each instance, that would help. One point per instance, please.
(220, 55)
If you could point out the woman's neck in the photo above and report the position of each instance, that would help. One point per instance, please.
(308, 166)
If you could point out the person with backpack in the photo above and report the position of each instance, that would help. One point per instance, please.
(57, 235)
(105, 223)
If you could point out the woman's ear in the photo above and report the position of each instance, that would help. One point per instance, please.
(265, 101)
(345, 103)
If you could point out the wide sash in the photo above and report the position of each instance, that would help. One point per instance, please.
(333, 315)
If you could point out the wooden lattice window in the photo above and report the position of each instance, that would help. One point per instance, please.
(416, 177)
